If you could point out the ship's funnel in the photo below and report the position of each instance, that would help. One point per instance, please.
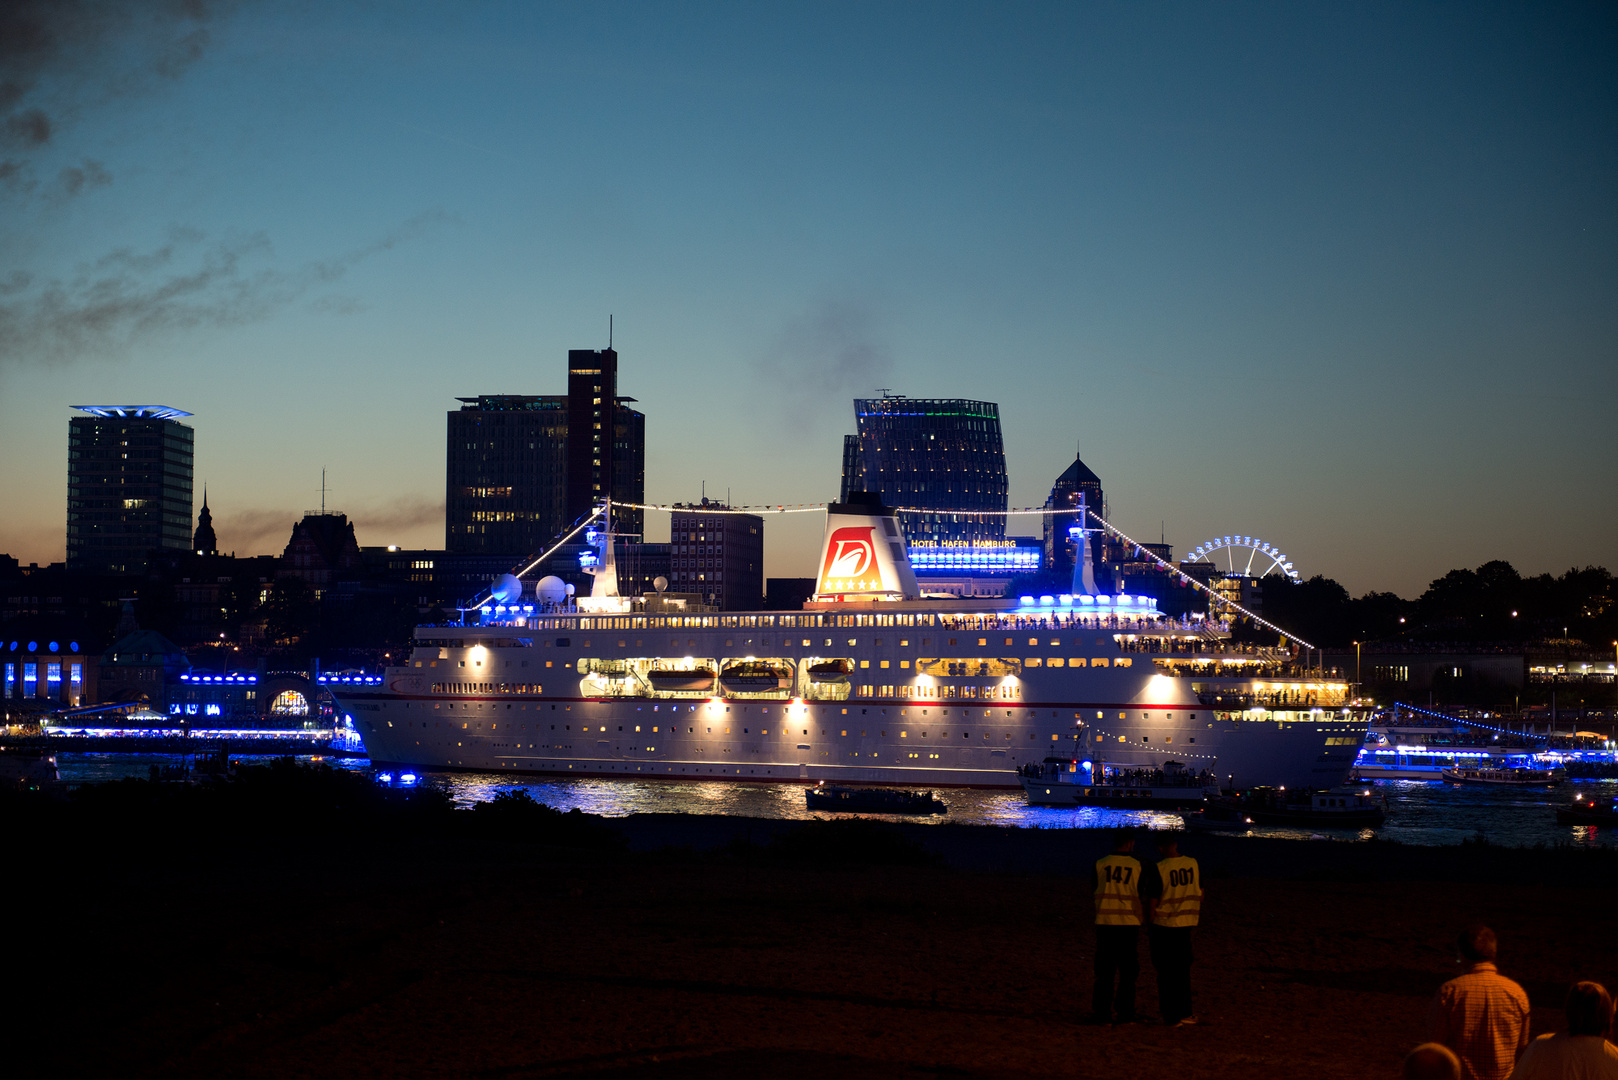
(863, 556)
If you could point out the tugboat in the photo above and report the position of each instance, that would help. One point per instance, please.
(865, 800)
(1585, 811)
(1325, 809)
(1514, 777)
(1061, 781)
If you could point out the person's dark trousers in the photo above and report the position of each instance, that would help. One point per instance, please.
(1171, 959)
(1117, 961)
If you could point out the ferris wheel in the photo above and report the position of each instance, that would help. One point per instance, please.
(1244, 556)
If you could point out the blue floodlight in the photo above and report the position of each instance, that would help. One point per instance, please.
(386, 778)
(153, 412)
(407, 778)
(1086, 766)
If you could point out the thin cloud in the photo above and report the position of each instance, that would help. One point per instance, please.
(254, 532)
(829, 354)
(407, 520)
(127, 296)
(59, 58)
(406, 514)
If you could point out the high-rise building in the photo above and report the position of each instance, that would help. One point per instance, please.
(521, 469)
(128, 485)
(506, 474)
(717, 555)
(1061, 547)
(943, 457)
(592, 386)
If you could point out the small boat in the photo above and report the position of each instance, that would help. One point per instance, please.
(830, 671)
(690, 679)
(1216, 819)
(1325, 809)
(28, 769)
(1513, 777)
(751, 677)
(865, 800)
(1586, 811)
(1064, 781)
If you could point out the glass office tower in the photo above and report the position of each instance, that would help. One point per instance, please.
(940, 457)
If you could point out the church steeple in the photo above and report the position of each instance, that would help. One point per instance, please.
(204, 542)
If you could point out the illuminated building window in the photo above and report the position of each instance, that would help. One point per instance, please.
(289, 703)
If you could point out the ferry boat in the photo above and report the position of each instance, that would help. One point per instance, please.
(1516, 777)
(1414, 744)
(1061, 781)
(869, 683)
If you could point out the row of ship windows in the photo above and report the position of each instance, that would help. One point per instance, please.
(787, 642)
(586, 729)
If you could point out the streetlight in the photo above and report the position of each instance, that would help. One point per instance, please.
(1356, 663)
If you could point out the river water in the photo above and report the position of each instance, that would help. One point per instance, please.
(1419, 811)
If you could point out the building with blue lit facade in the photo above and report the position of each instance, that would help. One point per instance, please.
(941, 458)
(128, 486)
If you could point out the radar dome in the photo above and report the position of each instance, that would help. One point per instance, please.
(660, 583)
(506, 589)
(550, 590)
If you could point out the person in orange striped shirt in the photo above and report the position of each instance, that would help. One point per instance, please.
(1481, 1015)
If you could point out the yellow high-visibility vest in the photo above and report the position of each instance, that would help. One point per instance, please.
(1181, 902)
(1118, 891)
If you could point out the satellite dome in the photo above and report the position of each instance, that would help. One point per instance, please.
(506, 589)
(660, 583)
(550, 590)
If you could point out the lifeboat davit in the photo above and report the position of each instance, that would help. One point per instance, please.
(830, 671)
(692, 679)
(754, 678)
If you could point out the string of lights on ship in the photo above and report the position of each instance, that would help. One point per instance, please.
(1463, 722)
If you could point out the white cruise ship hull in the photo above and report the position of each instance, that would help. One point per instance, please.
(512, 700)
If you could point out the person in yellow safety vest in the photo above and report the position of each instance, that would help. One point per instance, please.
(1174, 897)
(1118, 918)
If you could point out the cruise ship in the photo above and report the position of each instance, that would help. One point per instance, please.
(871, 682)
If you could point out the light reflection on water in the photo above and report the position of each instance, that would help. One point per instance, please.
(1420, 812)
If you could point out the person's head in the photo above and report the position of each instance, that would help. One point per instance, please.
(1123, 840)
(1589, 1009)
(1476, 944)
(1168, 844)
(1432, 1061)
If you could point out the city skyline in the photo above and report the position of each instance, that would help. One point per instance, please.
(1340, 279)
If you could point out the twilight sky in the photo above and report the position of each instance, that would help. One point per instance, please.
(1341, 276)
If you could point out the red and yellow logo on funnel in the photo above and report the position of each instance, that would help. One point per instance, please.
(850, 564)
